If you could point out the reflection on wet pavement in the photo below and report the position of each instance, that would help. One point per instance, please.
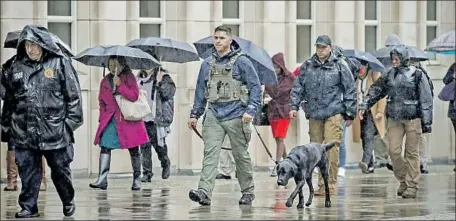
(360, 196)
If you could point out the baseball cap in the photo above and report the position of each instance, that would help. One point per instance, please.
(323, 40)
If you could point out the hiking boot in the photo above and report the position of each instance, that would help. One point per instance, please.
(246, 198)
(401, 189)
(409, 193)
(200, 197)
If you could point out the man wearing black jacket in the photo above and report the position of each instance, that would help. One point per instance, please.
(43, 108)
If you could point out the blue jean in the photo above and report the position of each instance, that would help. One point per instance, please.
(342, 149)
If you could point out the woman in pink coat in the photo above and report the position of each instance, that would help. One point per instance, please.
(113, 131)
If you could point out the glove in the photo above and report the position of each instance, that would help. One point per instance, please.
(426, 129)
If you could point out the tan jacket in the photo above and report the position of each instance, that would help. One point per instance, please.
(379, 107)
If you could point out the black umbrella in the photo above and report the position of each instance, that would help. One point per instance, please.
(415, 53)
(165, 49)
(13, 37)
(258, 56)
(373, 62)
(99, 55)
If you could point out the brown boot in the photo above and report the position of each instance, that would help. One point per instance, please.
(43, 186)
(332, 189)
(11, 171)
(320, 191)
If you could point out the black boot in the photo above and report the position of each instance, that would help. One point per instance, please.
(103, 170)
(26, 214)
(162, 153)
(135, 157)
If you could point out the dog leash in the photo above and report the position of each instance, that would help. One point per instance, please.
(265, 147)
(200, 136)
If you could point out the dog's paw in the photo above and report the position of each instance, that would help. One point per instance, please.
(300, 205)
(327, 203)
(289, 203)
(308, 204)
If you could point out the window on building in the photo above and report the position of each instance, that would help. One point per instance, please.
(371, 25)
(303, 42)
(150, 18)
(230, 9)
(370, 38)
(304, 30)
(231, 16)
(61, 20)
(431, 24)
(370, 10)
(304, 9)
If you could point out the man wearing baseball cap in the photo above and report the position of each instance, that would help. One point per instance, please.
(325, 89)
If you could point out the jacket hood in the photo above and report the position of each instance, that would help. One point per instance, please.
(234, 50)
(392, 40)
(280, 61)
(337, 50)
(403, 54)
(38, 35)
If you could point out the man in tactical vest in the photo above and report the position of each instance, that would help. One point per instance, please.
(228, 82)
(409, 112)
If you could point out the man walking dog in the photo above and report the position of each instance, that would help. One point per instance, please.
(326, 88)
(230, 112)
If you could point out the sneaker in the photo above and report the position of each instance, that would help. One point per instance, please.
(341, 172)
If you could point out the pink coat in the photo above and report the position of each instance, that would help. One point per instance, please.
(131, 133)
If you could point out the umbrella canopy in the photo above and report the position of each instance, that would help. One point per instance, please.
(13, 37)
(415, 53)
(373, 62)
(165, 49)
(444, 44)
(392, 40)
(99, 55)
(258, 56)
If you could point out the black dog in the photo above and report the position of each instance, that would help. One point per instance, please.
(300, 164)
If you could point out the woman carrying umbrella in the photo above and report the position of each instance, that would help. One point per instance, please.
(113, 131)
(451, 77)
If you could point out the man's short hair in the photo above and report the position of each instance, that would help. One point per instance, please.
(224, 28)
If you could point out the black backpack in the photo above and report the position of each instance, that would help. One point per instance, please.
(422, 70)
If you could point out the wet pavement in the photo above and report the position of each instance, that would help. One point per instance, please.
(371, 196)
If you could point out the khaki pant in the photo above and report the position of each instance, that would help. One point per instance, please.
(423, 153)
(407, 170)
(227, 165)
(325, 131)
(214, 133)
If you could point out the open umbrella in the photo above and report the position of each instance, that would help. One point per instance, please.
(13, 37)
(258, 56)
(99, 55)
(444, 44)
(165, 49)
(415, 53)
(373, 62)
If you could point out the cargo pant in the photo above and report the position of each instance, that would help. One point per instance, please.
(407, 170)
(214, 132)
(227, 165)
(325, 131)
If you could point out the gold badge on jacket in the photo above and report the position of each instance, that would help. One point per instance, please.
(49, 73)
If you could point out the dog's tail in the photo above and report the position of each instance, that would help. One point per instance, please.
(330, 145)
